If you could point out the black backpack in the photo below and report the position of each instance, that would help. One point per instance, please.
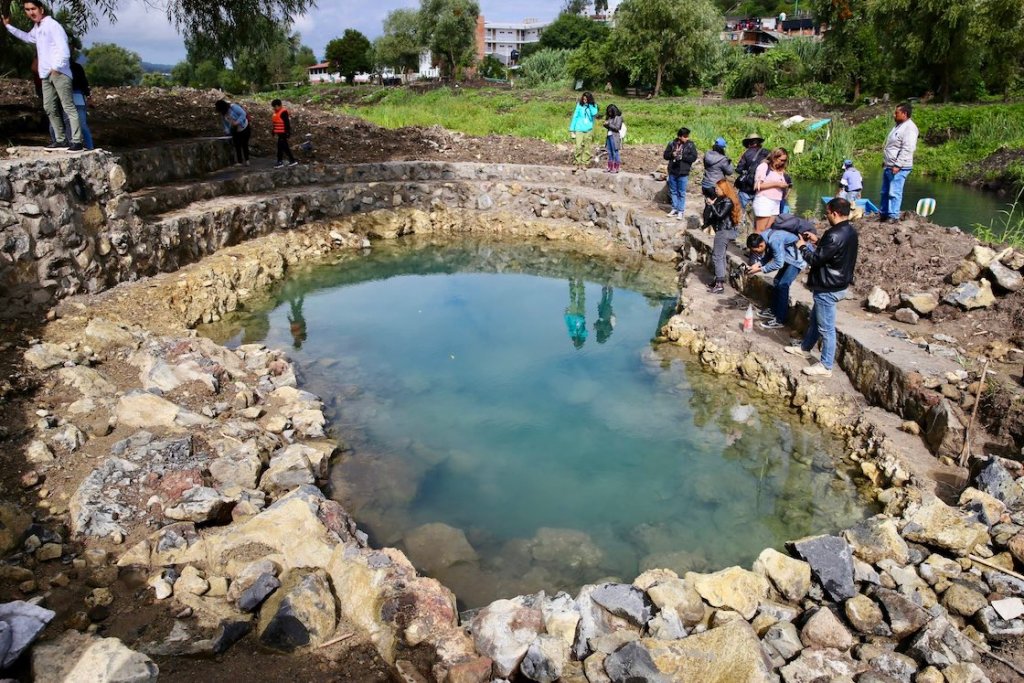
(791, 223)
(745, 181)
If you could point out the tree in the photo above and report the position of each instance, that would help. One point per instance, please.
(652, 36)
(569, 31)
(929, 42)
(112, 65)
(1004, 53)
(852, 57)
(350, 54)
(400, 45)
(449, 29)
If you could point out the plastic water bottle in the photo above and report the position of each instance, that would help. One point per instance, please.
(748, 318)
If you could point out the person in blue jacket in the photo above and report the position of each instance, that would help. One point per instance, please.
(236, 124)
(775, 252)
(581, 129)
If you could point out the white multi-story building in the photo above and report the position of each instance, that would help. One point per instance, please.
(501, 37)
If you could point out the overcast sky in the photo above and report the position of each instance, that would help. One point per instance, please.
(145, 30)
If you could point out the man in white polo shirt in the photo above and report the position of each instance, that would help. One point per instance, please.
(54, 56)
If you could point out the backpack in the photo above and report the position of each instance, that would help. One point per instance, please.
(791, 223)
(745, 181)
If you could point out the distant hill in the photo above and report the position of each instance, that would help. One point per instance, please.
(149, 67)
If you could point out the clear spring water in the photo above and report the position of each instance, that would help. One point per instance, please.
(516, 431)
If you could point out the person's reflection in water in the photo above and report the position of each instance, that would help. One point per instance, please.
(605, 316)
(576, 313)
(296, 321)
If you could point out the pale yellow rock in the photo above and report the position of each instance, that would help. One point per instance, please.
(791, 577)
(728, 654)
(735, 588)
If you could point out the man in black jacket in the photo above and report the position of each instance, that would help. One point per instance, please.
(831, 260)
(680, 155)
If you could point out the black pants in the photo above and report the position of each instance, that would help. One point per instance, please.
(240, 139)
(283, 149)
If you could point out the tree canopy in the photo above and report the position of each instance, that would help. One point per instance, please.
(400, 45)
(350, 54)
(449, 29)
(112, 65)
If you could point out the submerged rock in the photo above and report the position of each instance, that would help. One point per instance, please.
(436, 547)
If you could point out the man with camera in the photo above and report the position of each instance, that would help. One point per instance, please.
(831, 261)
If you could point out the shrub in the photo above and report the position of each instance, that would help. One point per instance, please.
(545, 67)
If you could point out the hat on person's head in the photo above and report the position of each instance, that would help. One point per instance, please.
(720, 142)
(752, 137)
(847, 163)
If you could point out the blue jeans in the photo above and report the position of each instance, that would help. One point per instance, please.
(780, 291)
(892, 191)
(613, 154)
(677, 190)
(822, 325)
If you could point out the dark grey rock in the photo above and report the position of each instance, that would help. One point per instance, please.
(990, 623)
(831, 563)
(996, 481)
(904, 616)
(255, 594)
(624, 600)
(632, 663)
(229, 633)
(941, 644)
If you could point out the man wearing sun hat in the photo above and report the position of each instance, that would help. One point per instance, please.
(851, 184)
(753, 155)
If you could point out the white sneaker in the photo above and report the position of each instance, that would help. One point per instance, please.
(672, 213)
(797, 350)
(679, 216)
(817, 370)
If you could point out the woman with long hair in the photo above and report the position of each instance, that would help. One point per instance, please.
(613, 142)
(770, 186)
(722, 213)
(581, 128)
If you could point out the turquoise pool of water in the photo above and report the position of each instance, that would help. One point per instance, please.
(513, 429)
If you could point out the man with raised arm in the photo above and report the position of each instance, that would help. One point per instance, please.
(54, 57)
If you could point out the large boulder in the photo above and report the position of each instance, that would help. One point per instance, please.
(300, 613)
(934, 523)
(971, 295)
(504, 631)
(728, 654)
(995, 480)
(831, 562)
(76, 657)
(148, 411)
(20, 623)
(790, 576)
(733, 588)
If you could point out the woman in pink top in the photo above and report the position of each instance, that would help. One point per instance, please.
(769, 187)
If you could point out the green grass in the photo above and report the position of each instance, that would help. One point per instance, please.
(954, 137)
(1008, 229)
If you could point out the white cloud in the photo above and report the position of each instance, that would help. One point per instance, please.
(145, 29)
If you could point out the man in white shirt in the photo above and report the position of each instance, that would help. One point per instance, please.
(898, 158)
(54, 57)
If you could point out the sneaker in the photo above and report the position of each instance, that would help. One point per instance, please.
(672, 213)
(55, 147)
(76, 147)
(718, 288)
(797, 350)
(770, 325)
(817, 370)
(293, 163)
(679, 216)
(279, 164)
(765, 313)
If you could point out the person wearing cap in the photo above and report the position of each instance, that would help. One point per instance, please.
(898, 160)
(753, 154)
(851, 184)
(716, 165)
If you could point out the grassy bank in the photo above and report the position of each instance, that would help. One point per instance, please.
(954, 137)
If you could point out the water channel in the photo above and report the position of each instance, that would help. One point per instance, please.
(955, 204)
(511, 427)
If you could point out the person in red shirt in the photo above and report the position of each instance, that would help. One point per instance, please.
(282, 130)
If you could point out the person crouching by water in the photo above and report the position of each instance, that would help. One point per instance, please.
(581, 129)
(680, 155)
(613, 141)
(775, 252)
(831, 260)
(721, 212)
(236, 124)
(716, 165)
